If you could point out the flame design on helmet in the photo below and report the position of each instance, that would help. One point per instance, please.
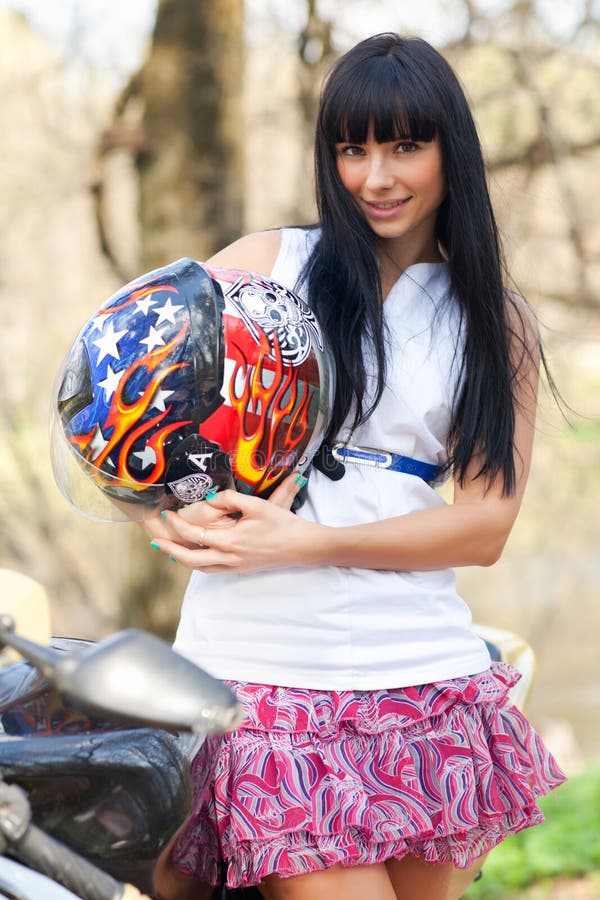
(136, 295)
(122, 416)
(273, 420)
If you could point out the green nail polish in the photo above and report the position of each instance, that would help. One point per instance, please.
(163, 514)
(155, 545)
(298, 479)
(211, 495)
(302, 481)
(172, 559)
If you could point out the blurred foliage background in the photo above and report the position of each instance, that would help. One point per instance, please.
(130, 143)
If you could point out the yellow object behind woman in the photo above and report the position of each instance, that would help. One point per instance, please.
(27, 602)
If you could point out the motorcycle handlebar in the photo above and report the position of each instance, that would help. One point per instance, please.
(41, 852)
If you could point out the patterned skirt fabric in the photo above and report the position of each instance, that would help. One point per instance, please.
(443, 771)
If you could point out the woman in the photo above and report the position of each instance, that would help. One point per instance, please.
(379, 749)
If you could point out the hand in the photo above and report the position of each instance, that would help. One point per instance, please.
(234, 532)
(158, 528)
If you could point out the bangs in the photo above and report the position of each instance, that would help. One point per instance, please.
(381, 93)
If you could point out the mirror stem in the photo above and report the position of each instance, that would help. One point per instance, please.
(43, 658)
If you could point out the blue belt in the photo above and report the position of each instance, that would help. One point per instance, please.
(383, 459)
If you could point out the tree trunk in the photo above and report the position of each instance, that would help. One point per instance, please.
(191, 199)
(191, 168)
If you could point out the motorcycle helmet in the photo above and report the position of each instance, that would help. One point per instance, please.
(188, 380)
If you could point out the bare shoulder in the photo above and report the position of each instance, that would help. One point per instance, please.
(525, 341)
(525, 338)
(255, 252)
(522, 317)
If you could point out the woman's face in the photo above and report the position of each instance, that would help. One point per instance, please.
(398, 186)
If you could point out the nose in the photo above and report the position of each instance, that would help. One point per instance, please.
(379, 176)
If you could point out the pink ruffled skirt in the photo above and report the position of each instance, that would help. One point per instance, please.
(443, 771)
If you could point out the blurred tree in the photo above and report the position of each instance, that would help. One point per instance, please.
(316, 53)
(532, 69)
(44, 210)
(180, 118)
(191, 169)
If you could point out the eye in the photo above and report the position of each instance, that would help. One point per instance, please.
(349, 150)
(406, 147)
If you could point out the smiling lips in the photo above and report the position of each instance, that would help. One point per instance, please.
(384, 208)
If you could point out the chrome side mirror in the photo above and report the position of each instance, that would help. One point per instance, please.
(136, 676)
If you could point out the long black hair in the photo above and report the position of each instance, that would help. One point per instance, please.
(403, 88)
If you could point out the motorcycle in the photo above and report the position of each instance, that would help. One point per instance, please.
(91, 753)
(85, 801)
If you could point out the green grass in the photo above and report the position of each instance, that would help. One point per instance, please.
(566, 844)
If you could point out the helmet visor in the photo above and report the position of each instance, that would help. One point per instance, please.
(95, 494)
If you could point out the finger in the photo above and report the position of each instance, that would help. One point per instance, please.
(194, 558)
(234, 502)
(165, 529)
(284, 493)
(195, 536)
(199, 513)
(158, 527)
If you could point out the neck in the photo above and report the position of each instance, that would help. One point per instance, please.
(395, 258)
(391, 268)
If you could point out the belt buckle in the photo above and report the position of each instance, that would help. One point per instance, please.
(365, 456)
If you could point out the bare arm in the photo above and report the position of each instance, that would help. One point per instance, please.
(255, 252)
(474, 529)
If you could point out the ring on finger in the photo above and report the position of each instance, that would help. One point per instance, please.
(202, 538)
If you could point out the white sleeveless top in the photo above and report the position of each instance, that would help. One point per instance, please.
(337, 628)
